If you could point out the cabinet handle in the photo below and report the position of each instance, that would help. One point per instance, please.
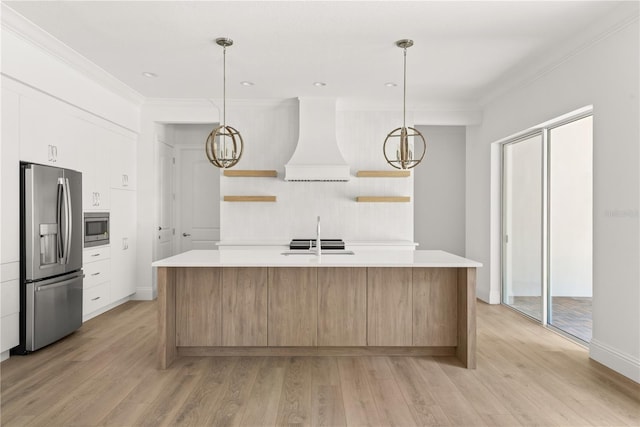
(186, 234)
(125, 180)
(95, 274)
(55, 153)
(125, 243)
(95, 299)
(95, 255)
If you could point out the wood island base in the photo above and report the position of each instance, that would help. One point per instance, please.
(319, 311)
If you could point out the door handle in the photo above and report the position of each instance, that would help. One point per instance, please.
(186, 235)
(68, 220)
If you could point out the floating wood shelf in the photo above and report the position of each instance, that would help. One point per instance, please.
(383, 174)
(249, 198)
(251, 172)
(376, 199)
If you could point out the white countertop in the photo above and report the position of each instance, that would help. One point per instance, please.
(275, 258)
(373, 243)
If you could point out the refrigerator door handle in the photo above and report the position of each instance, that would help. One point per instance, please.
(57, 285)
(60, 205)
(68, 221)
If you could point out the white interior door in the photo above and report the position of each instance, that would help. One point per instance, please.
(198, 200)
(166, 227)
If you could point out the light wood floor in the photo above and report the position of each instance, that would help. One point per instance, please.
(105, 374)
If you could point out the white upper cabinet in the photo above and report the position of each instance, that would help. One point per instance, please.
(10, 181)
(123, 162)
(95, 170)
(48, 134)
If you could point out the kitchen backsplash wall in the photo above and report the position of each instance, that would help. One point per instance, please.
(270, 133)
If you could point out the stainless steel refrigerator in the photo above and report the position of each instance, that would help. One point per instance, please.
(50, 255)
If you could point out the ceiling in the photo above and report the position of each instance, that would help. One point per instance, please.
(462, 51)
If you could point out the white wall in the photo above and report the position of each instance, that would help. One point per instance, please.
(439, 189)
(270, 134)
(603, 74)
(154, 112)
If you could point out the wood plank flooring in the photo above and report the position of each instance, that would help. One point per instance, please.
(105, 375)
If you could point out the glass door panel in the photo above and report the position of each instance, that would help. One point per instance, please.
(570, 227)
(522, 225)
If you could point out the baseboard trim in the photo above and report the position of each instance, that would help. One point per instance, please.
(316, 351)
(622, 363)
(144, 294)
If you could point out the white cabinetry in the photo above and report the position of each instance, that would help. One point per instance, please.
(123, 162)
(96, 284)
(48, 133)
(95, 169)
(123, 243)
(10, 222)
(10, 306)
(10, 181)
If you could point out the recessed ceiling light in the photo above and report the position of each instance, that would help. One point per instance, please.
(319, 84)
(150, 75)
(246, 83)
(390, 84)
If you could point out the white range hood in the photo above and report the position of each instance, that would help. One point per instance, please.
(317, 156)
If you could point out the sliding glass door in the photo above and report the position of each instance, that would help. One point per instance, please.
(522, 225)
(547, 240)
(570, 227)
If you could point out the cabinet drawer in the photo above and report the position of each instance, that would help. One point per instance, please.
(9, 331)
(96, 273)
(96, 254)
(95, 298)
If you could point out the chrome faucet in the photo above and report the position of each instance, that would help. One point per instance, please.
(318, 245)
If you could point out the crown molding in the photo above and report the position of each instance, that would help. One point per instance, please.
(619, 18)
(217, 102)
(28, 31)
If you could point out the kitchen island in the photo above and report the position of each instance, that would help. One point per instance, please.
(275, 302)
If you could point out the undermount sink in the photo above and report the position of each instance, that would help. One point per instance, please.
(313, 252)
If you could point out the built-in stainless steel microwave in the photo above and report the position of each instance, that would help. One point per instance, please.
(96, 229)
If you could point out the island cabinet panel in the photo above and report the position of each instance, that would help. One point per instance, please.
(389, 306)
(435, 307)
(293, 306)
(342, 306)
(198, 307)
(244, 306)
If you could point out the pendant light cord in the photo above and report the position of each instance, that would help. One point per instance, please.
(224, 86)
(404, 95)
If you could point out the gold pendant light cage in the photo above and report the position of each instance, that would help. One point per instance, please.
(224, 144)
(400, 145)
(224, 147)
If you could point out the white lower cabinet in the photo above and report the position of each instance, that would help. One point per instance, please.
(123, 244)
(95, 298)
(97, 281)
(9, 306)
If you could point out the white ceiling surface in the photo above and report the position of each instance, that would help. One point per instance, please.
(462, 50)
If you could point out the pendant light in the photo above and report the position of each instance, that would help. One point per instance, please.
(224, 144)
(400, 144)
